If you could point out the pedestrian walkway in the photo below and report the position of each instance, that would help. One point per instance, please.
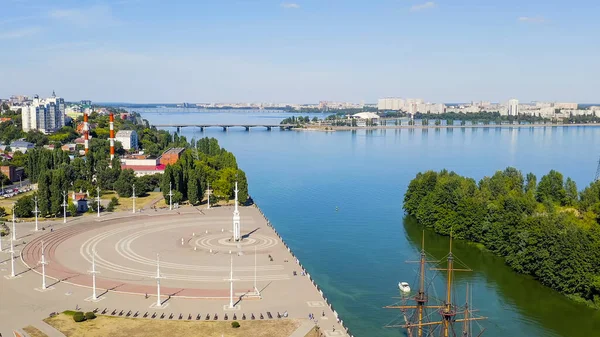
(303, 329)
(48, 329)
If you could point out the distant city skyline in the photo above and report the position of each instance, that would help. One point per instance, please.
(301, 51)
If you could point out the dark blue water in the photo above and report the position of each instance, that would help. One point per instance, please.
(357, 254)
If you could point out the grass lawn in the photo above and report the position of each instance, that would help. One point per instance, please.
(8, 202)
(134, 327)
(125, 204)
(34, 332)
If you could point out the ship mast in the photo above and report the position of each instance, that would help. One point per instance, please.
(466, 323)
(420, 298)
(448, 311)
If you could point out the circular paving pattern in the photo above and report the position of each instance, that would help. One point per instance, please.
(192, 252)
(222, 241)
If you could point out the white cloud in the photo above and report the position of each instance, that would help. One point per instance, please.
(19, 33)
(532, 19)
(290, 5)
(84, 17)
(420, 7)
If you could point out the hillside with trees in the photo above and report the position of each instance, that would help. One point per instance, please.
(202, 162)
(545, 229)
(205, 163)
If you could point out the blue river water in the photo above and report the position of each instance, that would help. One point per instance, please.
(357, 253)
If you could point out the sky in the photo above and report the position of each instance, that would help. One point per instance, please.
(301, 51)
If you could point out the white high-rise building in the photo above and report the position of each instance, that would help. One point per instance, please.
(46, 115)
(513, 107)
(390, 103)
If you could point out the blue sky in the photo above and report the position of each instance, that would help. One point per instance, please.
(301, 51)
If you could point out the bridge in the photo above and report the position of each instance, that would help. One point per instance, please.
(226, 126)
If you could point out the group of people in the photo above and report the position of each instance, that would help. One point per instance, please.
(312, 316)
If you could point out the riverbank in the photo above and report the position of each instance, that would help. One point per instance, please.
(531, 225)
(474, 126)
(304, 272)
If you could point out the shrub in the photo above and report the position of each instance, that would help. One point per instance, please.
(90, 315)
(235, 324)
(78, 317)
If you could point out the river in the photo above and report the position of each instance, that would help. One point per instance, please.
(357, 254)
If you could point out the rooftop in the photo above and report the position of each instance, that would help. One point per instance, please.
(365, 115)
(137, 168)
(21, 143)
(174, 150)
(125, 133)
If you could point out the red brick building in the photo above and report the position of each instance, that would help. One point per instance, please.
(13, 173)
(171, 156)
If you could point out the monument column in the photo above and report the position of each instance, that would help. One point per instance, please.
(236, 217)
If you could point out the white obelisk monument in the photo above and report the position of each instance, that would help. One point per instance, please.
(236, 217)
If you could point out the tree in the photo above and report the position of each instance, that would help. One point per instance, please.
(24, 207)
(58, 187)
(124, 185)
(36, 137)
(72, 209)
(193, 187)
(44, 203)
(530, 183)
(551, 188)
(114, 201)
(571, 192)
(242, 186)
(4, 179)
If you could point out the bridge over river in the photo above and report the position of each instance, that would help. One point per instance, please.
(226, 126)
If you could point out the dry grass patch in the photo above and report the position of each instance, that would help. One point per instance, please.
(125, 204)
(34, 332)
(133, 327)
(314, 332)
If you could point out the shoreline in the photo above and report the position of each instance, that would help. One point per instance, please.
(339, 320)
(476, 126)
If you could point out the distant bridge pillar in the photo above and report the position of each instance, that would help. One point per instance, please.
(201, 129)
(247, 127)
(179, 129)
(225, 128)
(268, 128)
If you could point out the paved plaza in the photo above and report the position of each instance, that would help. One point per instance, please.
(196, 251)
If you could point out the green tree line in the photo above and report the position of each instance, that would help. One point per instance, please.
(206, 163)
(545, 229)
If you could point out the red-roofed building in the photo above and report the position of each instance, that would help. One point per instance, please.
(80, 200)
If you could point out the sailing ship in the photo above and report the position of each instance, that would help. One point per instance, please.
(425, 316)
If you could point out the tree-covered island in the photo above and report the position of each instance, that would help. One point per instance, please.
(545, 229)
